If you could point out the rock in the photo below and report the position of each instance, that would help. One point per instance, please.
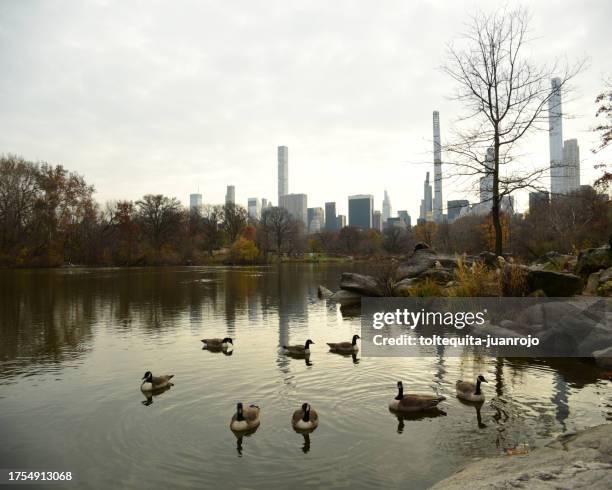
(402, 288)
(593, 260)
(555, 261)
(361, 284)
(592, 283)
(346, 298)
(557, 284)
(324, 293)
(582, 460)
(441, 276)
(420, 261)
(603, 358)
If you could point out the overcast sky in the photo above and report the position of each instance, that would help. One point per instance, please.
(172, 97)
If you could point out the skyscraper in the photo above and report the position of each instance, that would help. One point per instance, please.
(341, 221)
(254, 208)
(405, 217)
(195, 201)
(437, 201)
(426, 204)
(316, 219)
(361, 208)
(571, 164)
(455, 208)
(230, 195)
(377, 222)
(386, 207)
(486, 182)
(331, 222)
(297, 206)
(283, 172)
(558, 184)
(264, 203)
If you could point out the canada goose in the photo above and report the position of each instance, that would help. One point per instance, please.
(413, 403)
(345, 347)
(299, 350)
(305, 418)
(153, 383)
(245, 418)
(217, 344)
(469, 391)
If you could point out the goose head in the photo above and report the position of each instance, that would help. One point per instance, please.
(355, 337)
(227, 340)
(400, 390)
(481, 379)
(148, 377)
(307, 344)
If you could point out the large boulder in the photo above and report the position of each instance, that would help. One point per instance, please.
(575, 460)
(361, 284)
(557, 284)
(603, 358)
(421, 260)
(593, 260)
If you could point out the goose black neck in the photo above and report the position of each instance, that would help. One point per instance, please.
(306, 417)
(239, 415)
(354, 341)
(477, 392)
(400, 393)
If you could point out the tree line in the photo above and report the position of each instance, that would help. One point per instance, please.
(48, 217)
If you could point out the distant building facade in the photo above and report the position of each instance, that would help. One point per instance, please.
(377, 221)
(455, 207)
(386, 207)
(340, 221)
(331, 220)
(297, 206)
(230, 195)
(316, 219)
(254, 208)
(426, 203)
(283, 172)
(405, 217)
(361, 209)
(195, 202)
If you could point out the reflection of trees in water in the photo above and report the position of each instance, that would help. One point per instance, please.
(46, 317)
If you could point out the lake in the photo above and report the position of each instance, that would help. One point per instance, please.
(75, 343)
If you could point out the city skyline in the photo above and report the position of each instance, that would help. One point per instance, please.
(182, 110)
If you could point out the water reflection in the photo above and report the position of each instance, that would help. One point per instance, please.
(150, 395)
(477, 406)
(70, 339)
(402, 418)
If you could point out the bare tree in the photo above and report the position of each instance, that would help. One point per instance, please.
(506, 97)
(604, 128)
(277, 229)
(234, 220)
(159, 217)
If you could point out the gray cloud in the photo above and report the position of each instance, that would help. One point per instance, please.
(171, 96)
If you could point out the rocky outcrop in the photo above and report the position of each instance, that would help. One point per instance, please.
(346, 298)
(579, 460)
(556, 284)
(593, 260)
(361, 284)
(600, 283)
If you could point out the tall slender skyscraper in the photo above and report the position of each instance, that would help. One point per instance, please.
(437, 200)
(386, 207)
(486, 182)
(230, 195)
(425, 212)
(555, 134)
(331, 221)
(283, 172)
(195, 201)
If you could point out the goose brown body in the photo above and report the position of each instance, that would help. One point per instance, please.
(152, 383)
(345, 347)
(412, 402)
(305, 418)
(245, 418)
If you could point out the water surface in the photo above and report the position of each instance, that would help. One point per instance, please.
(74, 344)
